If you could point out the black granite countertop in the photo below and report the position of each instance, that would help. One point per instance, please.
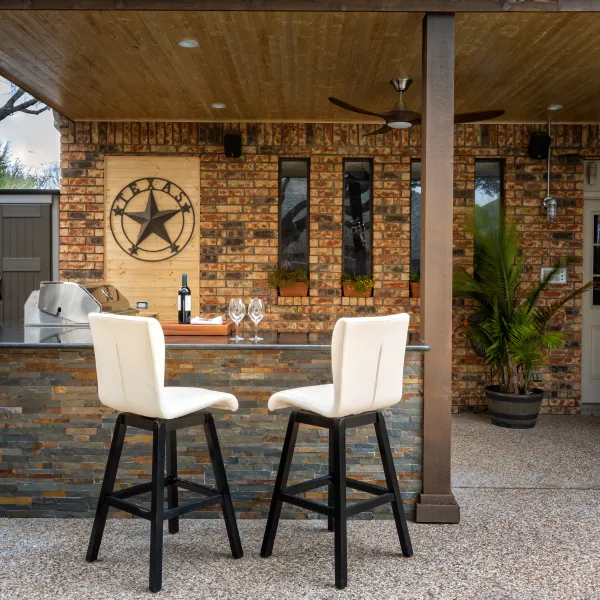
(75, 338)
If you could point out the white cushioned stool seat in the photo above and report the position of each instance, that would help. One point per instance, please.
(180, 401)
(130, 360)
(316, 398)
(367, 359)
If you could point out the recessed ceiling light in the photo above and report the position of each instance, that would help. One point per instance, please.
(555, 107)
(218, 105)
(188, 43)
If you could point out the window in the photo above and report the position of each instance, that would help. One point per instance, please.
(293, 213)
(415, 216)
(489, 178)
(489, 188)
(358, 212)
(488, 196)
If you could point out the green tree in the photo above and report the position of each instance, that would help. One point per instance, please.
(14, 175)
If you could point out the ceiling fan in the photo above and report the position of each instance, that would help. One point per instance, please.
(401, 117)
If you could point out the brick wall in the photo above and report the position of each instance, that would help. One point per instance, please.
(238, 218)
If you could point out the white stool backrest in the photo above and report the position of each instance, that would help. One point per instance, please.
(130, 362)
(367, 356)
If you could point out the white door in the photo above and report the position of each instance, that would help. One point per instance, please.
(591, 300)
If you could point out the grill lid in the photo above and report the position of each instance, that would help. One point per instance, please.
(69, 303)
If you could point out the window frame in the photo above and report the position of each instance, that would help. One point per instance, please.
(371, 163)
(410, 224)
(502, 208)
(280, 206)
(502, 163)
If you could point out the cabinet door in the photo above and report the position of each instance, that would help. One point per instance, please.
(25, 256)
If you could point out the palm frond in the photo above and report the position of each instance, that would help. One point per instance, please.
(511, 331)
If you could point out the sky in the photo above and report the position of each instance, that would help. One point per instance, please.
(33, 137)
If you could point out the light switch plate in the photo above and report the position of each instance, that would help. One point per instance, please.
(559, 278)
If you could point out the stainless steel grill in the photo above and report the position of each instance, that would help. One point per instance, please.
(66, 303)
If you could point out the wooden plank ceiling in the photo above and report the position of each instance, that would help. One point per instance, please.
(282, 66)
(310, 5)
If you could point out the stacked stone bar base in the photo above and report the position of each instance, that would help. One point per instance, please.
(55, 435)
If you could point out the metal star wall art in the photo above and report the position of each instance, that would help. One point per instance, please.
(164, 200)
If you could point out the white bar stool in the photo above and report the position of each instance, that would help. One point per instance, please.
(130, 363)
(367, 356)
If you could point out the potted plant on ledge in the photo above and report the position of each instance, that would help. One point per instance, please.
(357, 286)
(510, 328)
(290, 282)
(415, 285)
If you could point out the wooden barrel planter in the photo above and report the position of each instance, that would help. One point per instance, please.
(513, 410)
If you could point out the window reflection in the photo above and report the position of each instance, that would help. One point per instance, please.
(489, 188)
(293, 213)
(357, 226)
(415, 216)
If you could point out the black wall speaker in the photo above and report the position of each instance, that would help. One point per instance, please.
(539, 144)
(232, 145)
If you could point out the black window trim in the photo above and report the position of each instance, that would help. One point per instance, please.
(370, 161)
(283, 159)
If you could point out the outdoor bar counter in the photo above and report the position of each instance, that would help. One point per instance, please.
(55, 435)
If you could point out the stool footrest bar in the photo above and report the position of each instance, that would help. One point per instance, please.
(363, 486)
(308, 504)
(129, 507)
(191, 486)
(186, 508)
(134, 490)
(365, 505)
(306, 486)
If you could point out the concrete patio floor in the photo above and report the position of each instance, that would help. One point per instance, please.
(530, 528)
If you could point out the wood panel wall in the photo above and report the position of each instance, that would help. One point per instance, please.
(155, 282)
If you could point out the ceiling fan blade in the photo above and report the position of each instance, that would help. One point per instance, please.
(347, 106)
(474, 117)
(381, 130)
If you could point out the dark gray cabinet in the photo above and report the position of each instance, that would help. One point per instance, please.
(25, 256)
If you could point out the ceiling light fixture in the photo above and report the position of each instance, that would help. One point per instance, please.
(188, 43)
(218, 105)
(554, 106)
(399, 124)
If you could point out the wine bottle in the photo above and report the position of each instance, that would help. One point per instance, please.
(184, 301)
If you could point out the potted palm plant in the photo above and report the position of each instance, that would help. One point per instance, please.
(290, 282)
(357, 286)
(510, 328)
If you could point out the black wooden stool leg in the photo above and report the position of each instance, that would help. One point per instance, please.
(223, 486)
(330, 486)
(108, 483)
(392, 483)
(172, 492)
(285, 463)
(338, 430)
(157, 507)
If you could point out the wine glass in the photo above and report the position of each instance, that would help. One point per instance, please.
(256, 311)
(237, 311)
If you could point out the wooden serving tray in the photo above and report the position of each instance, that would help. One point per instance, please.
(172, 328)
